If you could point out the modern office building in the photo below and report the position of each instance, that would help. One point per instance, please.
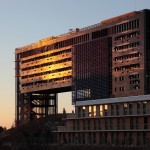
(107, 60)
(113, 121)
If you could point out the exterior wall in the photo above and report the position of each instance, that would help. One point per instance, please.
(128, 56)
(127, 126)
(91, 62)
(47, 66)
(45, 71)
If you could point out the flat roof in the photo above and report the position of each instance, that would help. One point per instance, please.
(114, 100)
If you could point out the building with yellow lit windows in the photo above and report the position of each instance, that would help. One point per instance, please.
(114, 121)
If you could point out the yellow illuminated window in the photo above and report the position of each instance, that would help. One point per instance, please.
(105, 110)
(90, 111)
(94, 110)
(106, 107)
(83, 111)
(101, 110)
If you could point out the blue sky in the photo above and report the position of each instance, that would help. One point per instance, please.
(25, 22)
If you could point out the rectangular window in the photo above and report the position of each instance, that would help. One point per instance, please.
(83, 111)
(79, 111)
(111, 123)
(83, 138)
(112, 110)
(79, 138)
(130, 108)
(125, 107)
(105, 138)
(100, 124)
(139, 138)
(117, 138)
(144, 138)
(89, 138)
(118, 123)
(112, 138)
(89, 125)
(130, 138)
(94, 111)
(101, 140)
(144, 107)
(117, 109)
(78, 125)
(95, 124)
(74, 126)
(69, 138)
(125, 138)
(121, 78)
(124, 123)
(94, 138)
(84, 124)
(145, 123)
(131, 123)
(106, 124)
(137, 122)
(90, 111)
(138, 107)
(105, 110)
(101, 110)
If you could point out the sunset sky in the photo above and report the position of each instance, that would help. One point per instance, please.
(23, 22)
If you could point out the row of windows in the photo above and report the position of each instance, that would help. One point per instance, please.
(47, 81)
(36, 51)
(46, 73)
(121, 78)
(133, 86)
(125, 36)
(83, 38)
(68, 42)
(100, 33)
(83, 93)
(46, 56)
(124, 123)
(122, 88)
(117, 29)
(127, 46)
(134, 76)
(112, 109)
(83, 75)
(131, 77)
(46, 64)
(72, 41)
(124, 57)
(135, 82)
(127, 67)
(127, 26)
(113, 138)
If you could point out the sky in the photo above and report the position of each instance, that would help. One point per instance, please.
(23, 22)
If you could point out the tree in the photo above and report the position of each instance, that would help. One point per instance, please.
(1, 129)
